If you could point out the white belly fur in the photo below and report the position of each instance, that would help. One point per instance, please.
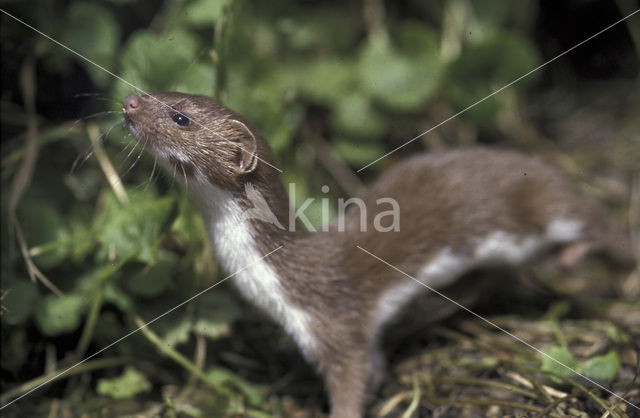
(497, 248)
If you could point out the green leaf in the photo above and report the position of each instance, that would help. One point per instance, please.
(211, 329)
(602, 368)
(486, 67)
(357, 152)
(58, 315)
(200, 79)
(81, 237)
(188, 227)
(91, 30)
(154, 278)
(220, 376)
(166, 62)
(327, 79)
(211, 316)
(126, 386)
(562, 355)
(616, 335)
(320, 28)
(19, 300)
(259, 99)
(43, 224)
(88, 284)
(135, 230)
(205, 12)
(402, 81)
(114, 294)
(355, 115)
(178, 333)
(214, 314)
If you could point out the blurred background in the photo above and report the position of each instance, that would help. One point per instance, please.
(96, 239)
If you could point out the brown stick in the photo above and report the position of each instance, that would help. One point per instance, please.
(25, 172)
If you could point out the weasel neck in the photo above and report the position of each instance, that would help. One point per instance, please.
(238, 220)
(241, 245)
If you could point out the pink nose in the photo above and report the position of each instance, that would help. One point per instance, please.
(131, 103)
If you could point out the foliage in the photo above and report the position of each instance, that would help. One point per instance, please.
(129, 384)
(280, 65)
(600, 368)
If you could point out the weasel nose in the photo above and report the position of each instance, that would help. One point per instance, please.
(131, 103)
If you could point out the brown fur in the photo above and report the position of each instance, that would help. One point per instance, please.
(449, 199)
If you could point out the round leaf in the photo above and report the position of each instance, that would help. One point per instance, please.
(602, 368)
(326, 80)
(128, 385)
(559, 354)
(400, 80)
(59, 314)
(355, 115)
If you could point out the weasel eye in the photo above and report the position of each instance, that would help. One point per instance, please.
(181, 119)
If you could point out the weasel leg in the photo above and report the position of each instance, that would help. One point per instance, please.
(346, 381)
(377, 370)
(612, 242)
(572, 255)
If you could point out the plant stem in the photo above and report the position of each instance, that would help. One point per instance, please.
(220, 46)
(103, 363)
(491, 384)
(415, 400)
(182, 360)
(590, 394)
(90, 324)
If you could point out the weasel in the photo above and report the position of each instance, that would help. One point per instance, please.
(458, 210)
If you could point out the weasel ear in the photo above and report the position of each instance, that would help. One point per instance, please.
(245, 158)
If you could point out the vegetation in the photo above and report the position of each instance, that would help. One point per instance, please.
(96, 241)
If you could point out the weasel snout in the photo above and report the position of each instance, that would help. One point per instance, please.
(131, 103)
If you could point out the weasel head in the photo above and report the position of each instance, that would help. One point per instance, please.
(198, 138)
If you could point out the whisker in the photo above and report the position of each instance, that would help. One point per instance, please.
(184, 174)
(133, 164)
(125, 149)
(96, 96)
(134, 144)
(81, 159)
(85, 118)
(79, 95)
(84, 157)
(137, 158)
(173, 178)
(123, 139)
(152, 178)
(95, 115)
(106, 133)
(152, 174)
(157, 172)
